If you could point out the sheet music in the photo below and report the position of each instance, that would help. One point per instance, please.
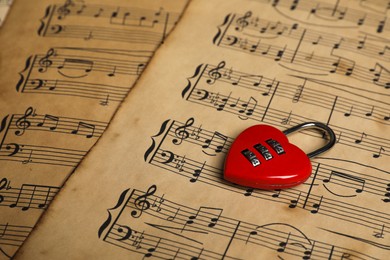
(66, 67)
(153, 186)
(4, 8)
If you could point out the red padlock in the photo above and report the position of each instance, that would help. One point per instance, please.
(262, 157)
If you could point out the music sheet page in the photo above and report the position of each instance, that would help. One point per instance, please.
(65, 68)
(4, 8)
(153, 185)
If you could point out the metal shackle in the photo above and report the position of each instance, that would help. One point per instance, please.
(315, 125)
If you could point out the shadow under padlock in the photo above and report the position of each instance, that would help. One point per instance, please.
(263, 157)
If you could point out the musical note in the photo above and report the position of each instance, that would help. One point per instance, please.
(371, 112)
(171, 218)
(50, 121)
(152, 249)
(316, 206)
(251, 234)
(344, 183)
(358, 141)
(70, 68)
(215, 74)
(294, 202)
(105, 102)
(198, 256)
(283, 245)
(286, 120)
(379, 153)
(248, 192)
(100, 11)
(197, 173)
(25, 193)
(22, 123)
(217, 142)
(276, 193)
(211, 214)
(248, 108)
(83, 125)
(308, 252)
(380, 234)
(181, 132)
(142, 203)
(349, 113)
(387, 194)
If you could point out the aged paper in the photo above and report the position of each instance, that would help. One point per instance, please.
(4, 8)
(65, 68)
(153, 186)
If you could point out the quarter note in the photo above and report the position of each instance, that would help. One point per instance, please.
(197, 173)
(358, 141)
(316, 206)
(379, 153)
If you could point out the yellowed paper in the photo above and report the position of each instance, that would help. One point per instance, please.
(4, 8)
(153, 186)
(65, 68)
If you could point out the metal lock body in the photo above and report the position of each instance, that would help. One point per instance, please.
(262, 157)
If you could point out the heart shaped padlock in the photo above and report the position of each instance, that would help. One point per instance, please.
(262, 157)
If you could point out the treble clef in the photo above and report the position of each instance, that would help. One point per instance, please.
(22, 123)
(4, 185)
(64, 10)
(142, 203)
(214, 74)
(45, 61)
(182, 133)
(242, 22)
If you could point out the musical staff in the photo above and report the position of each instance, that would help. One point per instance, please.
(121, 24)
(279, 62)
(28, 196)
(311, 63)
(276, 238)
(12, 237)
(344, 184)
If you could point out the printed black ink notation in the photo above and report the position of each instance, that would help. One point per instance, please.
(28, 196)
(376, 74)
(320, 12)
(191, 226)
(311, 63)
(68, 72)
(342, 183)
(310, 202)
(271, 87)
(375, 145)
(76, 66)
(108, 23)
(212, 143)
(25, 154)
(261, 29)
(31, 121)
(12, 237)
